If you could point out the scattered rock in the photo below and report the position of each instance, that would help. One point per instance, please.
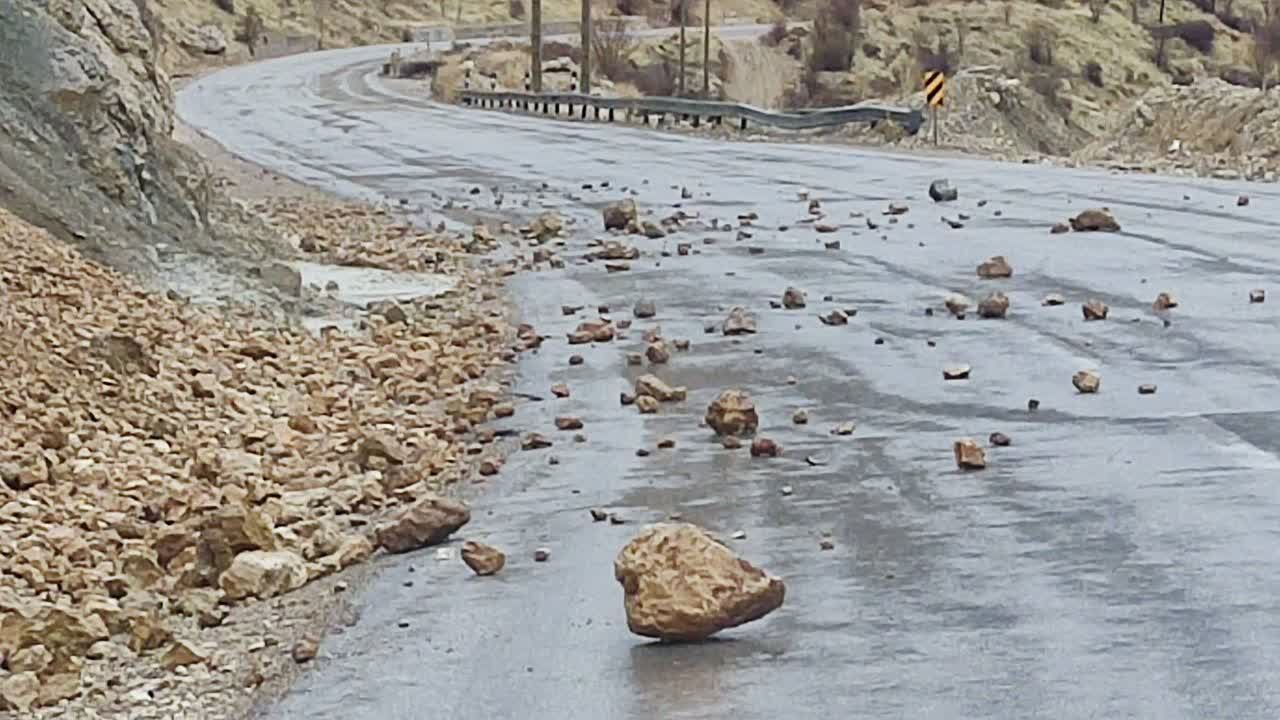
(1033, 405)
(666, 443)
(995, 305)
(619, 215)
(957, 372)
(1053, 299)
(764, 447)
(957, 304)
(482, 559)
(645, 309)
(576, 360)
(1095, 220)
(800, 417)
(567, 422)
(183, 653)
(1257, 296)
(1164, 301)
(896, 208)
(651, 386)
(825, 228)
(542, 554)
(599, 515)
(999, 439)
(534, 441)
(657, 353)
(995, 267)
(679, 584)
(652, 231)
(732, 413)
(546, 226)
(263, 574)
(943, 191)
(1094, 310)
(1147, 389)
(845, 428)
(792, 299)
(598, 330)
(646, 404)
(1059, 228)
(560, 390)
(617, 250)
(835, 317)
(1086, 381)
(826, 544)
(429, 521)
(969, 455)
(305, 650)
(739, 322)
(1242, 201)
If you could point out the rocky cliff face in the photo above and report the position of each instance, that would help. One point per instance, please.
(85, 121)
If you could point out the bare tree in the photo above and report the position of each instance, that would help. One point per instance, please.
(612, 42)
(250, 31)
(1266, 42)
(320, 8)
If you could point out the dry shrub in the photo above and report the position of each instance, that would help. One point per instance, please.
(832, 47)
(1092, 72)
(515, 8)
(612, 43)
(1039, 40)
(1198, 34)
(777, 33)
(1096, 8)
(1266, 43)
(657, 80)
(226, 6)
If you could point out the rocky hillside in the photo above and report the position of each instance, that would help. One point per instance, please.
(86, 118)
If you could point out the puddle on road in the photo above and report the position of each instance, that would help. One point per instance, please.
(361, 285)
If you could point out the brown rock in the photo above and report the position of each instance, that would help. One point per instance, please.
(1164, 301)
(618, 251)
(764, 447)
(183, 653)
(305, 650)
(429, 521)
(959, 372)
(482, 559)
(666, 443)
(646, 404)
(1257, 296)
(619, 215)
(489, 467)
(995, 305)
(546, 226)
(598, 330)
(1095, 220)
(739, 322)
(534, 441)
(567, 422)
(995, 267)
(1086, 381)
(835, 317)
(732, 413)
(651, 386)
(969, 455)
(263, 574)
(845, 428)
(1147, 389)
(800, 417)
(560, 390)
(19, 691)
(1094, 310)
(1059, 228)
(380, 446)
(679, 584)
(957, 304)
(792, 299)
(505, 410)
(657, 353)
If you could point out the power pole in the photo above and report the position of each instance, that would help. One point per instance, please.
(684, 18)
(535, 41)
(706, 51)
(586, 47)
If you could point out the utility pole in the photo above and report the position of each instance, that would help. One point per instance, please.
(706, 51)
(586, 47)
(535, 42)
(684, 20)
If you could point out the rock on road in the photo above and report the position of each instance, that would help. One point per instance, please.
(1117, 560)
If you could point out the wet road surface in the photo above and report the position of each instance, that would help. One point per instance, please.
(1117, 561)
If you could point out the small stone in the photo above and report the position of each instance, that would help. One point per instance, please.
(1086, 381)
(943, 191)
(599, 515)
(1257, 296)
(826, 544)
(626, 398)
(682, 344)
(791, 380)
(635, 359)
(560, 390)
(645, 309)
(1164, 301)
(995, 267)
(969, 455)
(616, 519)
(825, 228)
(958, 372)
(482, 559)
(1095, 220)
(792, 299)
(305, 651)
(732, 413)
(1033, 405)
(800, 417)
(739, 535)
(739, 322)
(787, 490)
(1242, 201)
(1059, 228)
(1094, 310)
(999, 439)
(995, 305)
(541, 554)
(647, 404)
(1147, 389)
(666, 443)
(764, 447)
(846, 428)
(1053, 299)
(835, 318)
(896, 208)
(576, 360)
(568, 422)
(642, 452)
(534, 441)
(957, 304)
(657, 353)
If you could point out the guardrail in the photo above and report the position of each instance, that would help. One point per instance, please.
(692, 111)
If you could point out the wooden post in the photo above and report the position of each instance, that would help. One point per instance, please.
(706, 51)
(586, 47)
(535, 42)
(684, 20)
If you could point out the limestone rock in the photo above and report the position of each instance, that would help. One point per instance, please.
(1086, 381)
(182, 653)
(645, 309)
(284, 278)
(263, 574)
(646, 404)
(957, 372)
(657, 353)
(995, 305)
(545, 226)
(680, 584)
(1094, 310)
(19, 691)
(652, 386)
(598, 330)
(739, 322)
(969, 455)
(1095, 220)
(482, 559)
(957, 304)
(792, 299)
(995, 267)
(732, 413)
(1053, 300)
(617, 250)
(943, 191)
(1164, 301)
(429, 521)
(619, 215)
(764, 447)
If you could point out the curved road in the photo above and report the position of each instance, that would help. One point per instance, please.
(1119, 560)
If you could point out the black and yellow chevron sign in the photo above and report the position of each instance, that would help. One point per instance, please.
(935, 87)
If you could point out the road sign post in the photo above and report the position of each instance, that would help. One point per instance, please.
(935, 94)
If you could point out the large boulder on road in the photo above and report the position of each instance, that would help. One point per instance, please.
(429, 521)
(733, 413)
(1095, 220)
(681, 585)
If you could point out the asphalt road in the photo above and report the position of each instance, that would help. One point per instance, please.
(1117, 561)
